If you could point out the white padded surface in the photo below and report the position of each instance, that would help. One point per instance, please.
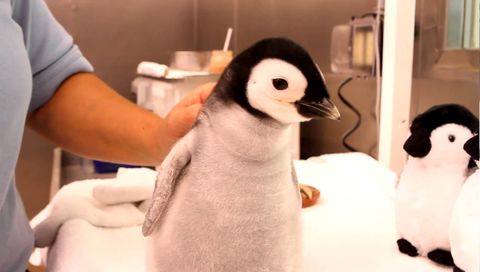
(351, 228)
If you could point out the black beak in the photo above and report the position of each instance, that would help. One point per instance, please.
(322, 109)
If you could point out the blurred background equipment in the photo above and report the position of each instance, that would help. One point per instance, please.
(356, 52)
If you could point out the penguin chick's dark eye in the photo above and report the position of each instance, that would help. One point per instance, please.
(280, 83)
(451, 138)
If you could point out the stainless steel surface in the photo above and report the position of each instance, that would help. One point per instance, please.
(191, 60)
(432, 57)
(117, 35)
(441, 75)
(309, 22)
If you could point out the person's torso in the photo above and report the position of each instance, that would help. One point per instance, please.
(15, 92)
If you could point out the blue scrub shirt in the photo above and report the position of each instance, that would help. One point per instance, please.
(36, 55)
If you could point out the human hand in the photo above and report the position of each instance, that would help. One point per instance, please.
(181, 118)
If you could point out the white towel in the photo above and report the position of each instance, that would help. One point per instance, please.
(76, 200)
(153, 69)
(132, 185)
(157, 70)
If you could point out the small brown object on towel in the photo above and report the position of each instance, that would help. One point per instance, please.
(309, 194)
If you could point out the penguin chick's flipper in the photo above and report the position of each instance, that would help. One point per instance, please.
(441, 256)
(171, 168)
(407, 248)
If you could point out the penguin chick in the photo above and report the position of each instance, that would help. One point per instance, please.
(431, 180)
(226, 198)
(465, 222)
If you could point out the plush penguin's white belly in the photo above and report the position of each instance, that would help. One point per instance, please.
(424, 203)
(465, 226)
(229, 213)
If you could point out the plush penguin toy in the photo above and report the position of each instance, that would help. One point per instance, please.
(465, 222)
(432, 179)
(226, 198)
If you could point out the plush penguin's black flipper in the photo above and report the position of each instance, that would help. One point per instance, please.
(457, 269)
(471, 147)
(441, 256)
(407, 248)
(418, 144)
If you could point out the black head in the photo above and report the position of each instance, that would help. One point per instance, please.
(419, 144)
(234, 82)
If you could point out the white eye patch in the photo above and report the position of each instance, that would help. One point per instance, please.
(267, 71)
(273, 87)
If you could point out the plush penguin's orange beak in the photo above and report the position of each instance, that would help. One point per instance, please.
(322, 109)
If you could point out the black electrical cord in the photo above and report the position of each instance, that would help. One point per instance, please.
(357, 113)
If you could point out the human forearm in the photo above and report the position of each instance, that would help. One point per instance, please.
(87, 117)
